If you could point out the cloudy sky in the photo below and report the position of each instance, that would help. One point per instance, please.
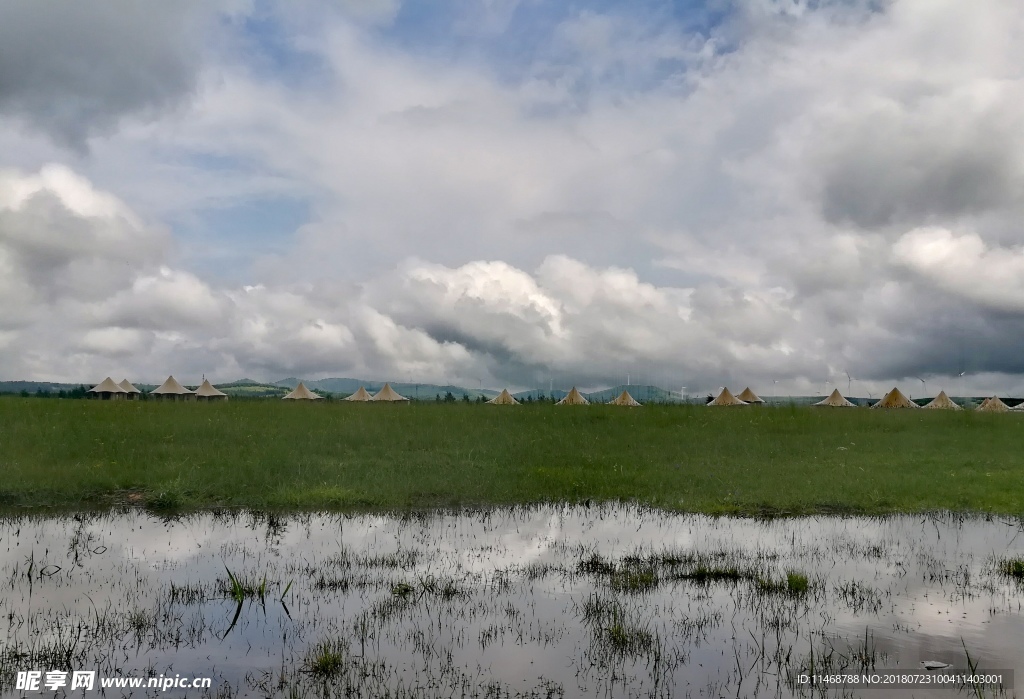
(515, 192)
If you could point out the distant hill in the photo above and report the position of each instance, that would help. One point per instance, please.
(240, 383)
(539, 394)
(36, 386)
(798, 400)
(415, 391)
(247, 388)
(644, 394)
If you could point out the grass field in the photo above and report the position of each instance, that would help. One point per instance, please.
(300, 456)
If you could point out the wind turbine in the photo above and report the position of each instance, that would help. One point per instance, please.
(849, 382)
(775, 390)
(962, 383)
(924, 386)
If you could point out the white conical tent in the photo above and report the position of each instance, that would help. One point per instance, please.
(388, 394)
(895, 399)
(749, 396)
(503, 398)
(130, 389)
(172, 390)
(726, 398)
(573, 397)
(625, 399)
(993, 405)
(942, 402)
(360, 396)
(302, 393)
(835, 400)
(108, 390)
(208, 392)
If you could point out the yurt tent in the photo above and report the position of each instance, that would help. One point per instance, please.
(133, 393)
(208, 392)
(302, 393)
(108, 390)
(503, 398)
(625, 399)
(942, 402)
(749, 396)
(388, 394)
(726, 398)
(835, 400)
(573, 397)
(172, 390)
(895, 399)
(361, 396)
(993, 405)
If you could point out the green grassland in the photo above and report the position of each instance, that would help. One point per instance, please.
(333, 455)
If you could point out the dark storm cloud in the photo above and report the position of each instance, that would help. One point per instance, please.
(881, 178)
(957, 337)
(73, 69)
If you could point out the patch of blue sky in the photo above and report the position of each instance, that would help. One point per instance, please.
(224, 241)
(512, 36)
(271, 49)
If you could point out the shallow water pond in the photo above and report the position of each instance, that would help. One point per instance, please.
(610, 601)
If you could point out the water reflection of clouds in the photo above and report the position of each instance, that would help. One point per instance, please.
(930, 574)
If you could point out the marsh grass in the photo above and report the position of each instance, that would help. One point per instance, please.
(189, 594)
(626, 638)
(634, 579)
(1013, 568)
(69, 645)
(538, 570)
(641, 571)
(332, 584)
(615, 631)
(595, 564)
(860, 597)
(271, 455)
(794, 584)
(327, 659)
(442, 588)
(404, 559)
(713, 574)
(140, 621)
(403, 590)
(240, 588)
